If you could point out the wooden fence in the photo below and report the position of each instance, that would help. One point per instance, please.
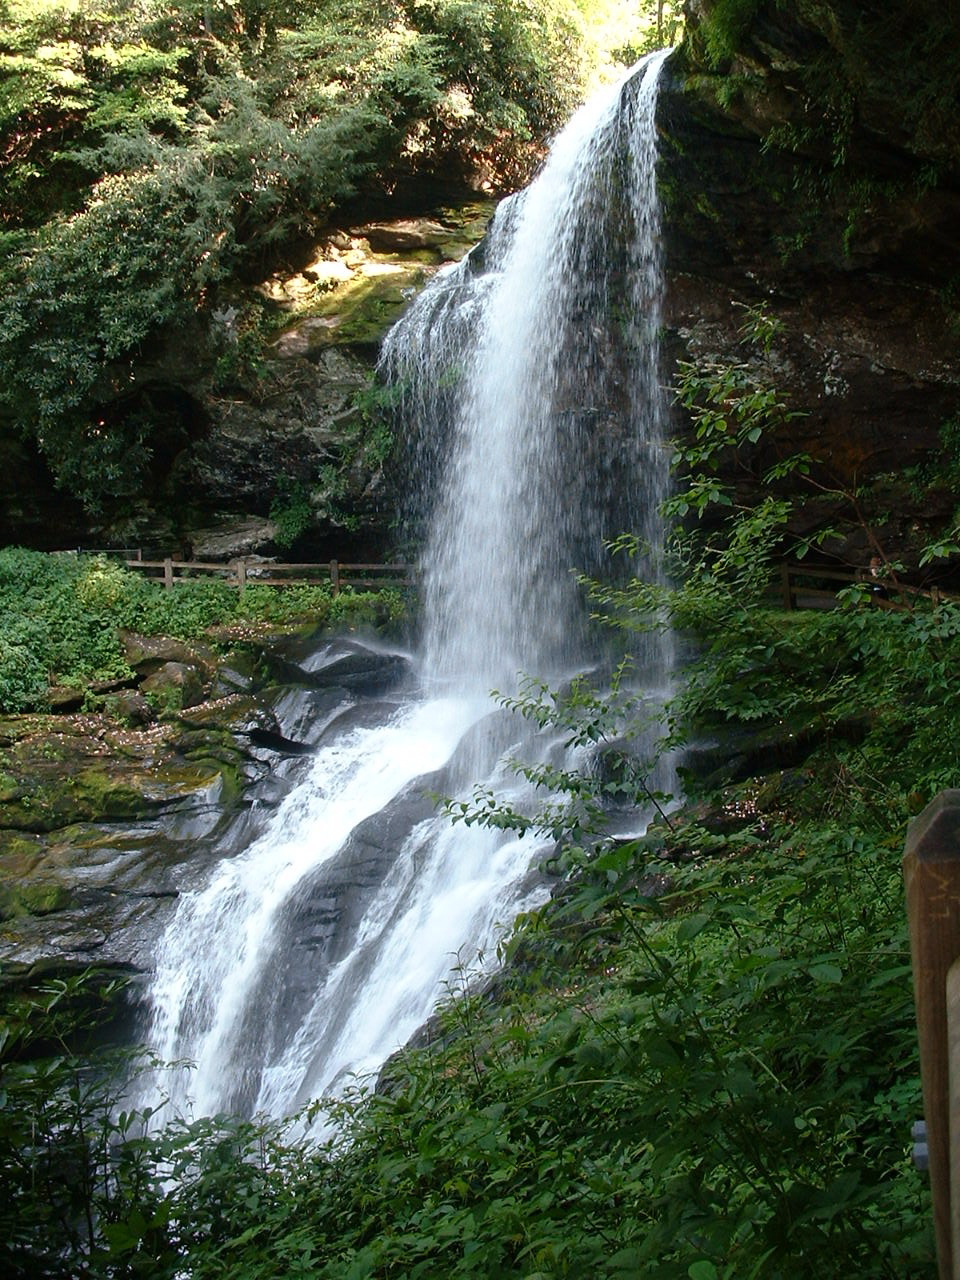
(801, 586)
(810, 587)
(241, 572)
(931, 872)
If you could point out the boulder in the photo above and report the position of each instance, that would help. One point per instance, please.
(174, 685)
(233, 536)
(130, 707)
(405, 233)
(148, 654)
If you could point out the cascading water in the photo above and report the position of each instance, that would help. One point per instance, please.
(530, 386)
(557, 413)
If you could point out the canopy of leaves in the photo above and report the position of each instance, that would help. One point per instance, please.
(150, 150)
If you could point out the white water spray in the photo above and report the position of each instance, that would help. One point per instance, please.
(532, 390)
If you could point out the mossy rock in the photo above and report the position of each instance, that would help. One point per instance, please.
(57, 799)
(365, 308)
(237, 672)
(173, 686)
(19, 854)
(129, 707)
(220, 719)
(99, 793)
(87, 769)
(147, 654)
(33, 898)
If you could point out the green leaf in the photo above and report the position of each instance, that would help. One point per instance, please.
(691, 926)
(702, 1270)
(825, 973)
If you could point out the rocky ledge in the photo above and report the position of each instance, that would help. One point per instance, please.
(106, 818)
(262, 413)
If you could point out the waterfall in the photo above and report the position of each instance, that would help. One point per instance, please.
(557, 411)
(529, 385)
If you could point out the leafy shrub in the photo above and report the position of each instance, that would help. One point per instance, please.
(61, 1148)
(265, 604)
(62, 616)
(23, 681)
(185, 612)
(150, 159)
(291, 511)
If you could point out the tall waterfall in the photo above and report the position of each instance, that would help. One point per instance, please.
(529, 382)
(551, 444)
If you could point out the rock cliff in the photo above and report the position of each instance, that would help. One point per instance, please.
(811, 164)
(265, 425)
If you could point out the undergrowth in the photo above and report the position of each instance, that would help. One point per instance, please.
(61, 617)
(700, 1061)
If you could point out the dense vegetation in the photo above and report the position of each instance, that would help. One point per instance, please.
(154, 154)
(62, 616)
(700, 1062)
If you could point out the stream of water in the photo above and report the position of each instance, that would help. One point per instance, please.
(529, 384)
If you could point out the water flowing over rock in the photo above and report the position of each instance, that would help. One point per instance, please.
(550, 446)
(314, 953)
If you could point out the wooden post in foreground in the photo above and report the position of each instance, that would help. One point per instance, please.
(168, 573)
(953, 1077)
(931, 872)
(334, 578)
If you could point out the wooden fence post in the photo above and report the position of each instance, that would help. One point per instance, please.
(785, 585)
(953, 1080)
(931, 872)
(168, 573)
(241, 573)
(334, 578)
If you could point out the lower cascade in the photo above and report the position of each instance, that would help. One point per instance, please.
(528, 386)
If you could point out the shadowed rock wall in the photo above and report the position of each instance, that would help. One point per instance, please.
(812, 164)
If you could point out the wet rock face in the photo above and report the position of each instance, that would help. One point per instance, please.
(102, 824)
(836, 220)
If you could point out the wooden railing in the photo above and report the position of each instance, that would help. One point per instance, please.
(885, 593)
(801, 586)
(268, 573)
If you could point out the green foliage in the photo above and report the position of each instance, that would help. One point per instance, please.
(725, 26)
(69, 1165)
(151, 150)
(940, 471)
(22, 681)
(291, 511)
(240, 335)
(58, 623)
(377, 404)
(61, 616)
